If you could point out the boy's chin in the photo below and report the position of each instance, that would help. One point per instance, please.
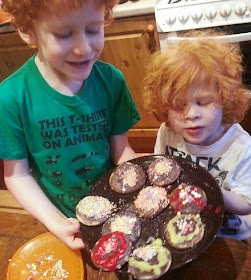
(79, 78)
(200, 142)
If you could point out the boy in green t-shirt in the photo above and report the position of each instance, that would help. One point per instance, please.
(63, 113)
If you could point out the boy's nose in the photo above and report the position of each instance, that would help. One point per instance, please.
(192, 111)
(81, 46)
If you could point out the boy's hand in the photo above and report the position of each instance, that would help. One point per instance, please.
(73, 240)
(68, 232)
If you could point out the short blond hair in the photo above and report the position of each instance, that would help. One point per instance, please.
(214, 62)
(25, 11)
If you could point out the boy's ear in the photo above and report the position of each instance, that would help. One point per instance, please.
(28, 37)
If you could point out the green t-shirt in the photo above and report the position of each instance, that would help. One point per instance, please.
(66, 138)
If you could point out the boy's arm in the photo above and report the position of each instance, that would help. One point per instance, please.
(235, 203)
(120, 149)
(29, 195)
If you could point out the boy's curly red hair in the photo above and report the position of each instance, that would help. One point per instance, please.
(214, 62)
(25, 11)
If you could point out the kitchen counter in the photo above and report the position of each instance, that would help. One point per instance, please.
(134, 8)
(225, 259)
(7, 28)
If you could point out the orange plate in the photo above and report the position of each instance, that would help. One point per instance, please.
(29, 253)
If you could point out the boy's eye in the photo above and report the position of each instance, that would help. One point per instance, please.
(93, 30)
(63, 35)
(205, 102)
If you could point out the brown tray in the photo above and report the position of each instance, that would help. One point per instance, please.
(191, 173)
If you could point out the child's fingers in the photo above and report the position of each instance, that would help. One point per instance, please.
(74, 241)
(77, 244)
(75, 225)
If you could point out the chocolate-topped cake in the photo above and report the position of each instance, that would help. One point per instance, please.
(155, 228)
(163, 171)
(127, 178)
(124, 221)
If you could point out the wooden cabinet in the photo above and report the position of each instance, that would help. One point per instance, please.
(129, 42)
(13, 53)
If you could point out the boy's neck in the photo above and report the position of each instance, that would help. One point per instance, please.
(225, 128)
(57, 82)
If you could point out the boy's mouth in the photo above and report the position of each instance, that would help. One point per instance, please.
(78, 63)
(194, 130)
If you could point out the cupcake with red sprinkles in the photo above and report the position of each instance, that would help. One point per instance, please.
(188, 199)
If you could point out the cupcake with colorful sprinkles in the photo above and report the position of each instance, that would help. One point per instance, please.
(127, 178)
(94, 210)
(163, 171)
(151, 201)
(150, 261)
(126, 222)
